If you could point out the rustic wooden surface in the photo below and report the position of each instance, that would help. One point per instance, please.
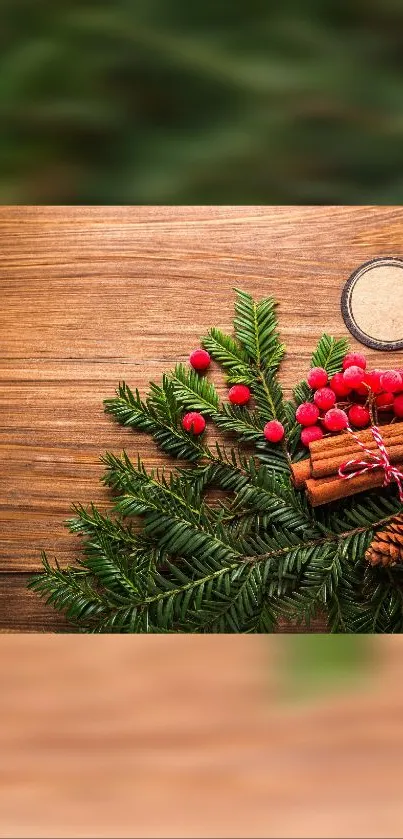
(90, 296)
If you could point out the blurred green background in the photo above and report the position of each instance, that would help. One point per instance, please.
(167, 101)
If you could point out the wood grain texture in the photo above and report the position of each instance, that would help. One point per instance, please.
(93, 295)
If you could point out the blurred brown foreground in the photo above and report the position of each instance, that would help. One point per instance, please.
(195, 737)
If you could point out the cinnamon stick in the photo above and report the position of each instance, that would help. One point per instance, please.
(330, 466)
(321, 448)
(301, 471)
(322, 490)
(319, 472)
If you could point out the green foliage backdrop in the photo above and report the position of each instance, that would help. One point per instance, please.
(163, 101)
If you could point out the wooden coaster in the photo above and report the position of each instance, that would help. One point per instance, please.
(372, 303)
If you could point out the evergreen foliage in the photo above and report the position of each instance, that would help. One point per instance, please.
(170, 559)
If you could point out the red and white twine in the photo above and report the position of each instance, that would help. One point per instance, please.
(376, 461)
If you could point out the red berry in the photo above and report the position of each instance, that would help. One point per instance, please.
(307, 413)
(398, 406)
(391, 381)
(273, 431)
(354, 359)
(324, 398)
(373, 380)
(359, 416)
(317, 377)
(336, 420)
(308, 435)
(384, 400)
(362, 389)
(339, 386)
(194, 422)
(199, 359)
(354, 376)
(239, 395)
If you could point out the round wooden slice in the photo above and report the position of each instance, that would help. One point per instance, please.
(372, 303)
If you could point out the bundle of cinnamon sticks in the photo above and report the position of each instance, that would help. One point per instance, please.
(319, 473)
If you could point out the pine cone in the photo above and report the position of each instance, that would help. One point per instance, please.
(386, 547)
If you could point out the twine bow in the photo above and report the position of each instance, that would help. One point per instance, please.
(377, 461)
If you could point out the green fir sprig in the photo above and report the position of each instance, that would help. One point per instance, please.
(171, 559)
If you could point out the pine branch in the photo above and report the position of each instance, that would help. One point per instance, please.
(229, 353)
(241, 421)
(142, 492)
(71, 591)
(129, 409)
(277, 499)
(194, 391)
(91, 523)
(228, 470)
(159, 416)
(242, 607)
(269, 397)
(329, 354)
(256, 329)
(271, 405)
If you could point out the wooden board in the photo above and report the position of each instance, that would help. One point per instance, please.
(93, 295)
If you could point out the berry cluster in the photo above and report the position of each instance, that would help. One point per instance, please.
(237, 395)
(351, 398)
